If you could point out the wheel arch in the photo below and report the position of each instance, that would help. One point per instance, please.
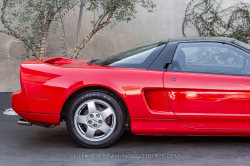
(106, 90)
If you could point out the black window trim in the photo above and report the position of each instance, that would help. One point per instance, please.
(161, 63)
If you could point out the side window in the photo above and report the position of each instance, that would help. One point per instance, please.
(214, 58)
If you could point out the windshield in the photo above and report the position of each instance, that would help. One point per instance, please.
(244, 45)
(133, 57)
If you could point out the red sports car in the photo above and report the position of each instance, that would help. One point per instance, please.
(188, 86)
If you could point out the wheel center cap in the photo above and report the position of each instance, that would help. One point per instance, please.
(94, 120)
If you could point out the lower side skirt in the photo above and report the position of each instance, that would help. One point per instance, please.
(173, 127)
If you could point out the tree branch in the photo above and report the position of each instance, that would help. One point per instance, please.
(95, 30)
(44, 37)
(3, 31)
(11, 31)
(88, 38)
(46, 29)
(79, 24)
(59, 8)
(100, 19)
(64, 35)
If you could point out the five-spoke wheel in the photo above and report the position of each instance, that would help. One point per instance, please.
(95, 120)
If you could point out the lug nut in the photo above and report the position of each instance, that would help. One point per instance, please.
(91, 115)
(100, 121)
(89, 121)
(97, 115)
(95, 125)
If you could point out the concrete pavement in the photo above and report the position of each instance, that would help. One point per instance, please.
(22, 145)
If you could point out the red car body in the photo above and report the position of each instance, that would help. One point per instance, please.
(158, 102)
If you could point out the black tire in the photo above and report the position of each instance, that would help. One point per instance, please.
(119, 116)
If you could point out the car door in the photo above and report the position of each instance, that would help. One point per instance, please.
(208, 85)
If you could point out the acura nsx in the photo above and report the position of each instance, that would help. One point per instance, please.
(187, 86)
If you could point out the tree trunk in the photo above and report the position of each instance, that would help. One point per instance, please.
(44, 38)
(79, 24)
(82, 44)
(97, 27)
(64, 35)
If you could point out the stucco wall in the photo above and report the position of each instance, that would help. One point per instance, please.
(164, 23)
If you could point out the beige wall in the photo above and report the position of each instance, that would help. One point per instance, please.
(164, 23)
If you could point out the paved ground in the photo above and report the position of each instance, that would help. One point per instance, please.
(21, 145)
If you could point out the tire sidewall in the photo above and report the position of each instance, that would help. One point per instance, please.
(120, 119)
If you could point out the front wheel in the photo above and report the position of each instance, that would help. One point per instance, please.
(95, 120)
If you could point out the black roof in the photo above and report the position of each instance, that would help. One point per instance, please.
(187, 39)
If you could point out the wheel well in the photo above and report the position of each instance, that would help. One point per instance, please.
(108, 91)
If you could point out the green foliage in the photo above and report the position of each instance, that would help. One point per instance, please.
(210, 19)
(113, 11)
(120, 10)
(29, 20)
